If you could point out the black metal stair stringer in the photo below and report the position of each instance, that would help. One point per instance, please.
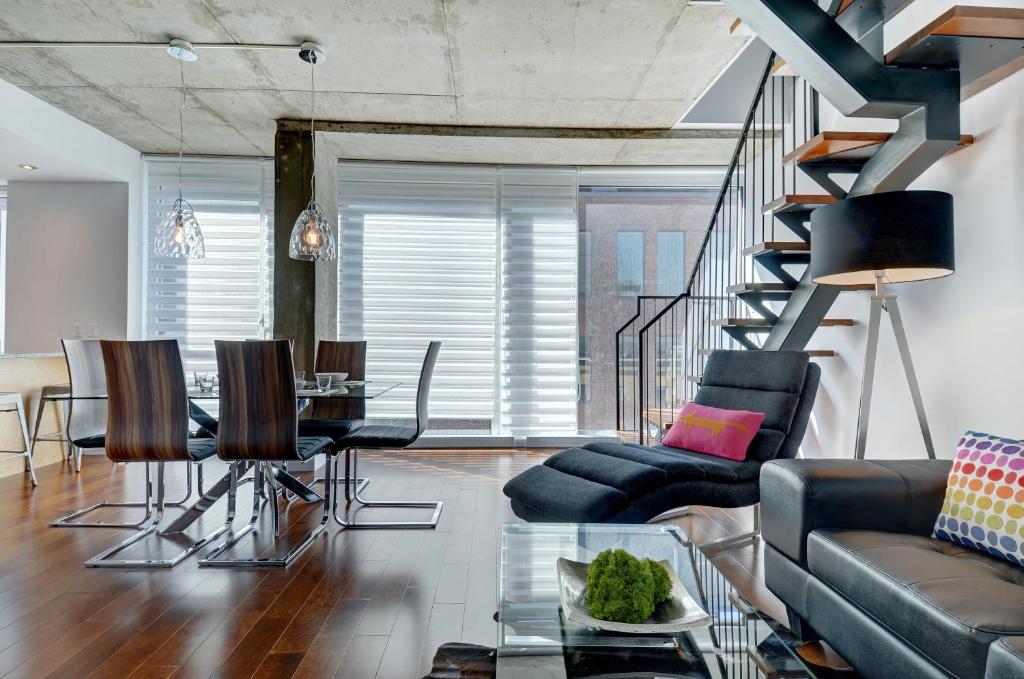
(926, 102)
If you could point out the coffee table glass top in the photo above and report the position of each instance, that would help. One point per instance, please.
(535, 641)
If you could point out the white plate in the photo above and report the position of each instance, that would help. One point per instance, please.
(678, 613)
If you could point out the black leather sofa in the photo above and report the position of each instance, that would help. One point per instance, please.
(848, 551)
(629, 483)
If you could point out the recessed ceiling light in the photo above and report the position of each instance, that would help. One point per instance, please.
(25, 166)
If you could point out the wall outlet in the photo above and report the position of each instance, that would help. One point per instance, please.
(76, 330)
(90, 330)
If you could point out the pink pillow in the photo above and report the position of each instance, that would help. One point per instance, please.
(718, 432)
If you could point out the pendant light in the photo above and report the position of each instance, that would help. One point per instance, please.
(312, 238)
(179, 234)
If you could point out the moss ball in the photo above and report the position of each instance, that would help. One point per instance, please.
(620, 587)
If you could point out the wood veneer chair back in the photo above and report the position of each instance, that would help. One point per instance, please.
(423, 389)
(86, 418)
(147, 401)
(340, 357)
(257, 401)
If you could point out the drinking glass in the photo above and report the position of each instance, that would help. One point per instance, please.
(300, 379)
(323, 382)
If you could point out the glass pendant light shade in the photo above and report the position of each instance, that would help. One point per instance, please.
(178, 234)
(312, 238)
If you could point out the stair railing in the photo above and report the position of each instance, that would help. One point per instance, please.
(673, 343)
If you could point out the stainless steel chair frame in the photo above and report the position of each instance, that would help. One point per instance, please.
(19, 408)
(145, 529)
(68, 520)
(352, 493)
(264, 474)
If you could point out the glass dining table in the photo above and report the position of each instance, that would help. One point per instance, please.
(304, 395)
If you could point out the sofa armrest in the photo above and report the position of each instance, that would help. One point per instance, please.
(1005, 658)
(799, 496)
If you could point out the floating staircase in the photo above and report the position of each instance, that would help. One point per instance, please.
(751, 286)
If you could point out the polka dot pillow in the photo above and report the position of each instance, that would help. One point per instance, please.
(984, 505)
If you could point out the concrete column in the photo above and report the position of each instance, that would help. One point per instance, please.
(294, 281)
(326, 326)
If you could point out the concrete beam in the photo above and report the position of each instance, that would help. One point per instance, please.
(294, 281)
(620, 133)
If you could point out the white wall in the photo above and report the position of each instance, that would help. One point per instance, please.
(66, 148)
(965, 330)
(67, 262)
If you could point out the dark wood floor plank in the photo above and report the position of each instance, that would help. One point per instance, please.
(363, 658)
(330, 643)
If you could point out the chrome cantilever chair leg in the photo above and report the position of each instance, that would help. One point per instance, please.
(352, 493)
(70, 520)
(234, 537)
(145, 529)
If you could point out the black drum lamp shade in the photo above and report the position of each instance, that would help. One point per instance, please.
(906, 235)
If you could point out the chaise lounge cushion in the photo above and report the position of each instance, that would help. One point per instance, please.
(682, 464)
(947, 601)
(542, 492)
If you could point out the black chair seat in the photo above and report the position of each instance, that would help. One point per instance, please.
(379, 436)
(308, 446)
(98, 441)
(934, 594)
(332, 429)
(200, 449)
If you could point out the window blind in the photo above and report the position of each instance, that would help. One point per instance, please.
(539, 370)
(227, 295)
(419, 257)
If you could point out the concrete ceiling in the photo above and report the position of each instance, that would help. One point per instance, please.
(550, 63)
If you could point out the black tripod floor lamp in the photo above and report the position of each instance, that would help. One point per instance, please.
(881, 238)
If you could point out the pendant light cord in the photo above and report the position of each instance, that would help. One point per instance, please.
(181, 123)
(312, 130)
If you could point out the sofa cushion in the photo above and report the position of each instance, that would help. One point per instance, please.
(1006, 659)
(947, 601)
(564, 497)
(632, 478)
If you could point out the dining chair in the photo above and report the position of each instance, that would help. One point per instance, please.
(147, 422)
(380, 436)
(335, 418)
(258, 426)
(86, 426)
(86, 417)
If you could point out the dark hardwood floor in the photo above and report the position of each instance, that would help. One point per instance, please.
(359, 604)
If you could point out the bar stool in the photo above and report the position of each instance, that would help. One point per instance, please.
(57, 396)
(148, 423)
(258, 425)
(10, 402)
(387, 436)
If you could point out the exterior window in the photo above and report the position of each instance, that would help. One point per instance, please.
(630, 262)
(671, 262)
(583, 265)
(584, 391)
(227, 295)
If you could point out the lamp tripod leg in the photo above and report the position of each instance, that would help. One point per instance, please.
(867, 385)
(908, 368)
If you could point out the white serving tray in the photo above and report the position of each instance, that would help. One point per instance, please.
(678, 613)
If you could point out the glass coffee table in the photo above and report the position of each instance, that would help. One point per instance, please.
(536, 641)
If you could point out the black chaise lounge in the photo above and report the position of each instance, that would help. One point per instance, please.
(630, 483)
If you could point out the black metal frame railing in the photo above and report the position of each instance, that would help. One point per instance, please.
(673, 342)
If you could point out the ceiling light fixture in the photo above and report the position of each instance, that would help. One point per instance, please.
(179, 234)
(312, 238)
(26, 166)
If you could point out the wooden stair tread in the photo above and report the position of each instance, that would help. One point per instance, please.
(813, 353)
(777, 247)
(797, 201)
(763, 323)
(967, 21)
(758, 287)
(831, 143)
